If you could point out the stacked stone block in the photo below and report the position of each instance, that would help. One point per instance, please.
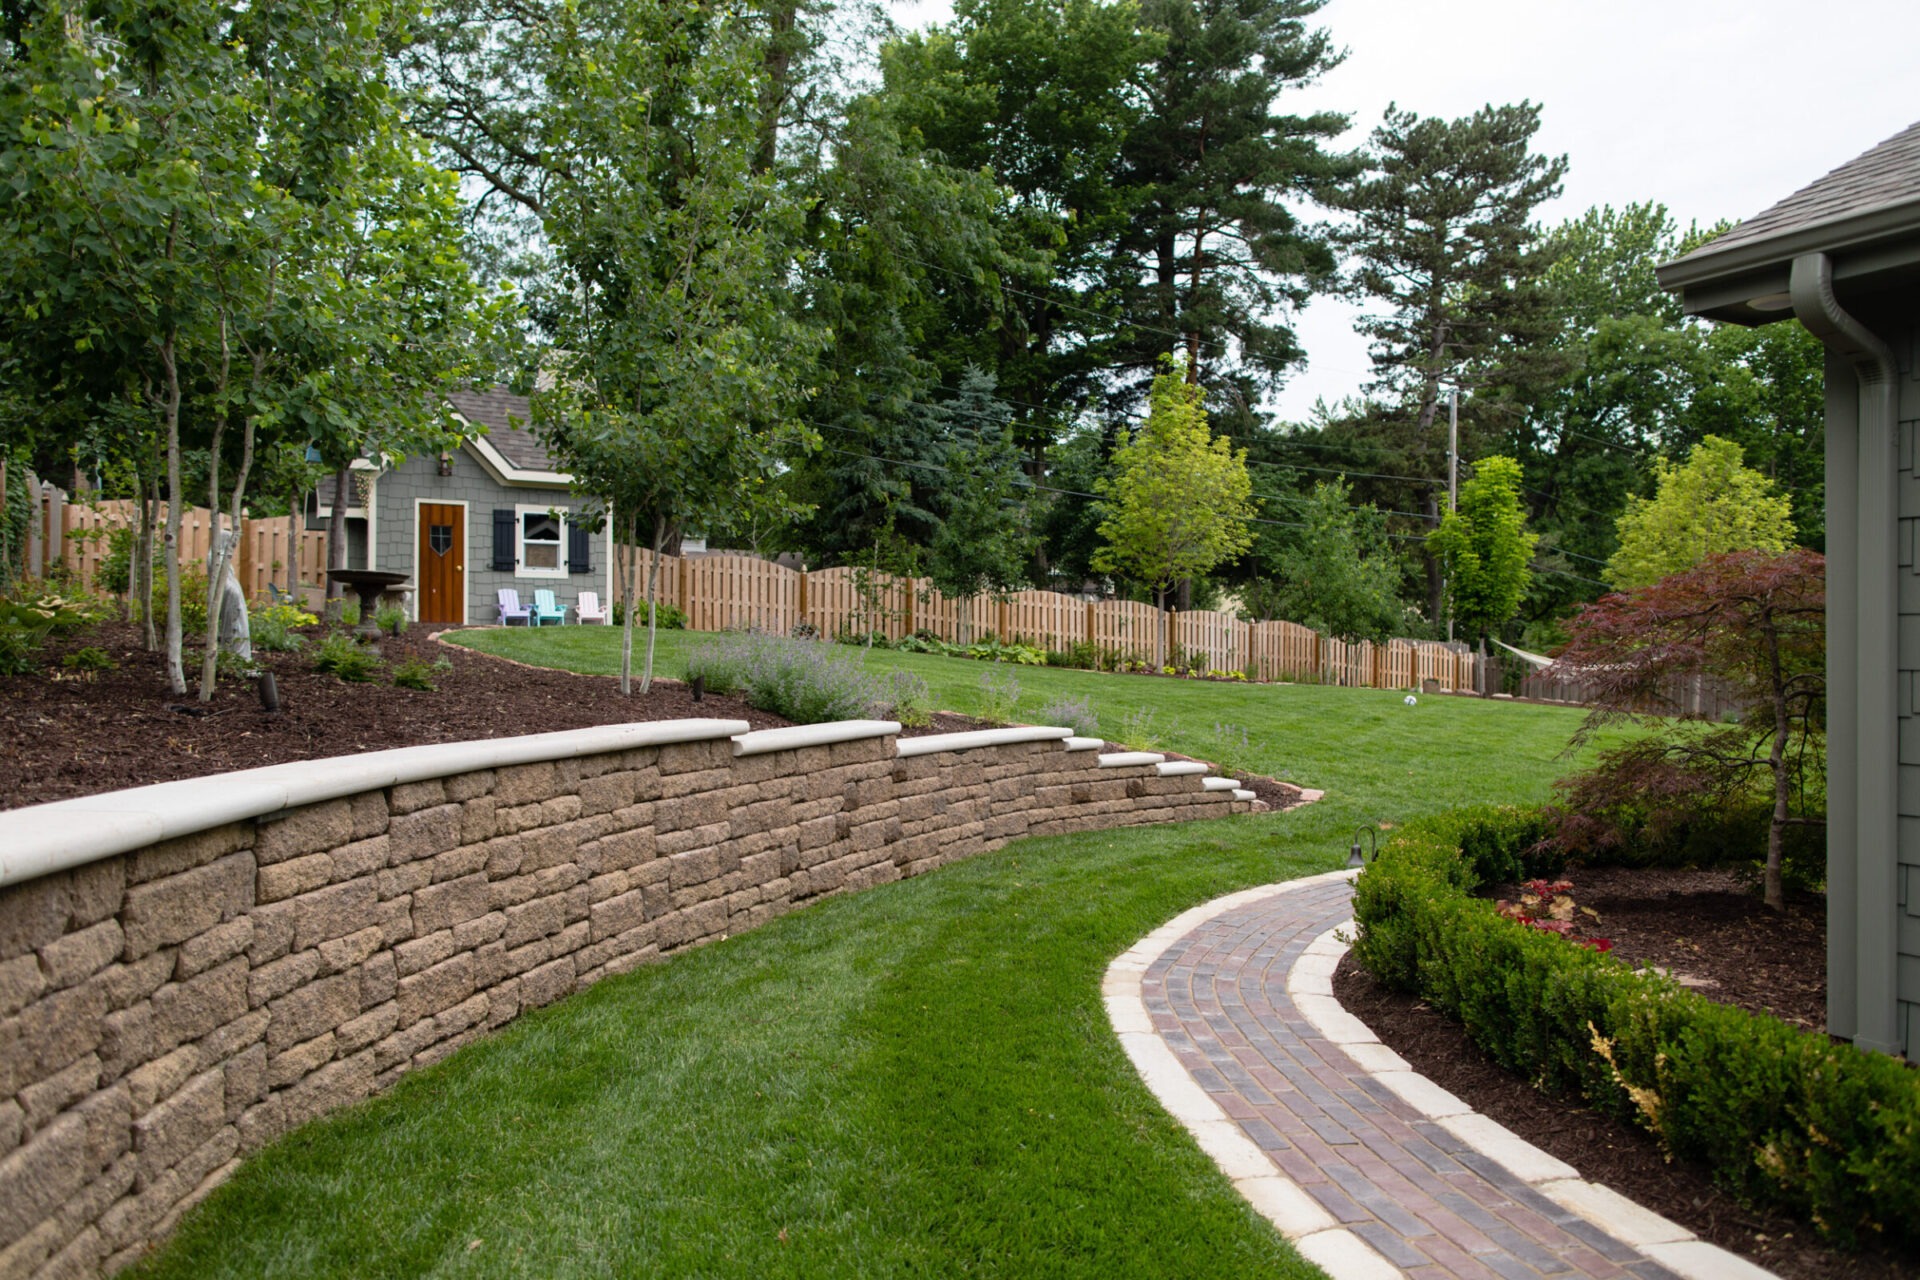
(164, 1012)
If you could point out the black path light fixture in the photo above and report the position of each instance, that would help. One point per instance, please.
(1354, 856)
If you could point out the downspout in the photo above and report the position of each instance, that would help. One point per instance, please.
(1863, 760)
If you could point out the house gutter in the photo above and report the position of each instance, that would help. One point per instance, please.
(1863, 748)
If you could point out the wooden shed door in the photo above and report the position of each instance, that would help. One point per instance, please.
(442, 578)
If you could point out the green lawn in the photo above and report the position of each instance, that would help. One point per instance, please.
(914, 1081)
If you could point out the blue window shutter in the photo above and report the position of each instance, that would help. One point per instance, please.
(503, 522)
(578, 560)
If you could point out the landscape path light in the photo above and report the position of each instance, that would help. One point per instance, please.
(1354, 858)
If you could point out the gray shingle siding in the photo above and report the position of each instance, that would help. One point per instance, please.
(417, 480)
(1904, 342)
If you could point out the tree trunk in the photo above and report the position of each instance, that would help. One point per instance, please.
(1774, 882)
(653, 611)
(1160, 627)
(176, 671)
(337, 540)
(221, 604)
(296, 502)
(625, 587)
(142, 575)
(778, 64)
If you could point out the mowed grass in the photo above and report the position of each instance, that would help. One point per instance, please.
(918, 1080)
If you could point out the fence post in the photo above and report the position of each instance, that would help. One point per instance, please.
(56, 525)
(686, 604)
(35, 524)
(248, 557)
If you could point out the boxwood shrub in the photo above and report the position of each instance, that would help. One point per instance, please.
(1779, 1115)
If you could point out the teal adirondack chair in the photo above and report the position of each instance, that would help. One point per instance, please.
(546, 609)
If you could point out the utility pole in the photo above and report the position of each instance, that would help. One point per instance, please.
(1453, 447)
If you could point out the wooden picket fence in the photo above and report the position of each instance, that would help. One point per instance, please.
(721, 591)
(72, 536)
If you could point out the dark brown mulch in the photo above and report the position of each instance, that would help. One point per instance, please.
(1709, 928)
(1719, 938)
(62, 737)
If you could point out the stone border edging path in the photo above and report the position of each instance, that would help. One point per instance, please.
(1370, 1169)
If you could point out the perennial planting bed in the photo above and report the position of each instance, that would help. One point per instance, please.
(64, 736)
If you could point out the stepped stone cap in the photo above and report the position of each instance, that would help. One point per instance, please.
(53, 837)
(761, 741)
(1127, 759)
(1179, 768)
(1219, 784)
(979, 738)
(1085, 744)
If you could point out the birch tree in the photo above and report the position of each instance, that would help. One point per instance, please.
(680, 356)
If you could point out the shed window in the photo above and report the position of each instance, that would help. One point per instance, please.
(542, 539)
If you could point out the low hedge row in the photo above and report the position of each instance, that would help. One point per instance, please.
(1780, 1116)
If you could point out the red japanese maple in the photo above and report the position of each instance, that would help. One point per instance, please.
(1754, 621)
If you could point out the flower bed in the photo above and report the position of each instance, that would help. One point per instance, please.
(1780, 1115)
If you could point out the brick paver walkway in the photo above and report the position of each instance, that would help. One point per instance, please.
(1421, 1197)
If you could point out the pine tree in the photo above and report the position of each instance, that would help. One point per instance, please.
(1210, 167)
(985, 537)
(1443, 239)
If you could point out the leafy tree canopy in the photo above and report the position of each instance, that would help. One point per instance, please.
(1179, 501)
(1337, 575)
(1486, 548)
(1707, 505)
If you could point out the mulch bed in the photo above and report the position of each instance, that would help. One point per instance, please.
(1715, 936)
(63, 736)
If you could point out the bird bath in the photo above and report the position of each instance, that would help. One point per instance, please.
(369, 585)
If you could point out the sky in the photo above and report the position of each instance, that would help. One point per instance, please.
(1715, 108)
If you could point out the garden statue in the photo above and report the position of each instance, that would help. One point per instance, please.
(235, 631)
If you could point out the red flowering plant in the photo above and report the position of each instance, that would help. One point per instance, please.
(1548, 905)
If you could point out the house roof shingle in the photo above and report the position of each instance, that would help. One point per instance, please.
(1885, 175)
(506, 416)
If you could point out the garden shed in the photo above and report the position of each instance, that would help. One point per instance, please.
(494, 512)
(1842, 256)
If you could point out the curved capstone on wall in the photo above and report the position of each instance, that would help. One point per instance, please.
(189, 970)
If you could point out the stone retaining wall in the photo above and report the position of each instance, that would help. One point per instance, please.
(168, 1009)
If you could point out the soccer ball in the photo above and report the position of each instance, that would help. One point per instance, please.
(1412, 701)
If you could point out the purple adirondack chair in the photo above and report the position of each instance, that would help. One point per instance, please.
(511, 608)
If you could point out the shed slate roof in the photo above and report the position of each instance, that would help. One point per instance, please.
(1888, 174)
(505, 415)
